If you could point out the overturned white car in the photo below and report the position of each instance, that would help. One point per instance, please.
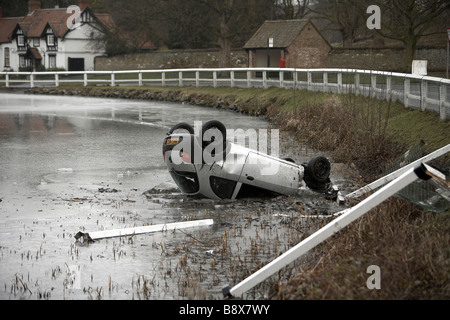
(208, 165)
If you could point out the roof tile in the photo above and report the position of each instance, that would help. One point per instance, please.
(283, 33)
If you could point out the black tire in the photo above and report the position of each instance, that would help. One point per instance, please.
(318, 169)
(213, 124)
(219, 152)
(182, 125)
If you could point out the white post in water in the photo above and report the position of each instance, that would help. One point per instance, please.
(96, 235)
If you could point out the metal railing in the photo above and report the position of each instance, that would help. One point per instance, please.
(424, 92)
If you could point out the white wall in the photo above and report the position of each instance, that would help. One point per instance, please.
(77, 44)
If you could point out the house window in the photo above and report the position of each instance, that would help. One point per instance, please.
(7, 58)
(21, 41)
(22, 61)
(36, 42)
(86, 17)
(52, 61)
(51, 40)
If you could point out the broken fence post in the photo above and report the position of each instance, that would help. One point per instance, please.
(422, 171)
(378, 183)
(91, 236)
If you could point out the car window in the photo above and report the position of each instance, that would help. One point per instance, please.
(223, 188)
(186, 181)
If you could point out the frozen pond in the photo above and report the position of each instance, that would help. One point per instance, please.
(73, 163)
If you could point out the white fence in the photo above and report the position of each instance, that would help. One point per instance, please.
(424, 92)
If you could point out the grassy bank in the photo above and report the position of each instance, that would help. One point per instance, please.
(409, 244)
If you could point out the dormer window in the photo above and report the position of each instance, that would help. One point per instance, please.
(86, 17)
(51, 40)
(21, 41)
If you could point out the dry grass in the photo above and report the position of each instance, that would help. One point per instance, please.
(353, 130)
(410, 246)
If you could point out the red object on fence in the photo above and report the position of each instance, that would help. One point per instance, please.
(282, 63)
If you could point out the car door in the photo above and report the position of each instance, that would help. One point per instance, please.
(271, 173)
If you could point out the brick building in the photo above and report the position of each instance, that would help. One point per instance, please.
(294, 43)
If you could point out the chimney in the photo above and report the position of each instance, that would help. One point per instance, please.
(33, 5)
(83, 4)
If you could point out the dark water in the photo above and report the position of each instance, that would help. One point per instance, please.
(71, 164)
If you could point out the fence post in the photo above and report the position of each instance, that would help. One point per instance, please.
(388, 87)
(215, 79)
(197, 78)
(113, 79)
(442, 100)
(85, 79)
(163, 78)
(407, 87)
(339, 82)
(281, 79)
(325, 82)
(56, 79)
(249, 77)
(140, 78)
(180, 78)
(31, 80)
(423, 94)
(373, 85)
(295, 78)
(265, 79)
(308, 80)
(7, 80)
(232, 78)
(357, 83)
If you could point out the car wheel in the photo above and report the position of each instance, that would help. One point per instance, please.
(213, 124)
(217, 151)
(182, 125)
(318, 169)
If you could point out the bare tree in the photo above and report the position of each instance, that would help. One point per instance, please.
(137, 22)
(186, 24)
(410, 20)
(294, 9)
(234, 18)
(226, 12)
(344, 16)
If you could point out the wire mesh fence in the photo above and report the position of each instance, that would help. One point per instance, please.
(428, 194)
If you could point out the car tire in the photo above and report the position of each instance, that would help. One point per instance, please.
(221, 127)
(182, 125)
(318, 169)
(214, 124)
